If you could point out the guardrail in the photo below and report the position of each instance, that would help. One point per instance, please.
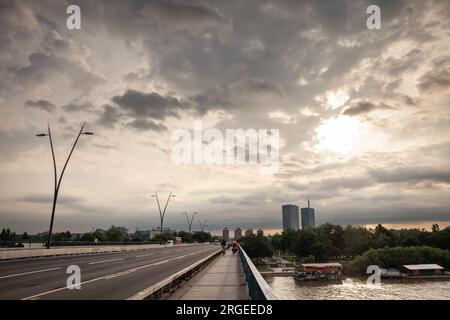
(258, 289)
(7, 254)
(171, 283)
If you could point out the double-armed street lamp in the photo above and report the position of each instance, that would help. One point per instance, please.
(57, 181)
(202, 226)
(162, 213)
(189, 222)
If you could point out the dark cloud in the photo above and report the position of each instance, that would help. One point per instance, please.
(410, 101)
(41, 104)
(364, 107)
(143, 124)
(152, 105)
(78, 106)
(435, 80)
(258, 87)
(109, 116)
(411, 175)
(47, 199)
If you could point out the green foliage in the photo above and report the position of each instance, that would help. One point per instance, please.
(395, 257)
(202, 237)
(62, 236)
(257, 247)
(7, 235)
(116, 233)
(185, 237)
(309, 259)
(330, 241)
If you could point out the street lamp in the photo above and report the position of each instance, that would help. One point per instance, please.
(190, 221)
(202, 226)
(162, 214)
(57, 182)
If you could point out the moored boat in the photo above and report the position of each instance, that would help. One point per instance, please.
(318, 272)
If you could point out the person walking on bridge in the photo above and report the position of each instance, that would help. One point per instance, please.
(224, 243)
(234, 246)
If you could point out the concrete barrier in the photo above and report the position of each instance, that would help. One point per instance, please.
(34, 253)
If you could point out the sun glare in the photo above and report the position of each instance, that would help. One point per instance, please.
(341, 135)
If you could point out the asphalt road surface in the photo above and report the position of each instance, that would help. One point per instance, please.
(115, 276)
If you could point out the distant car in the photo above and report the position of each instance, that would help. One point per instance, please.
(216, 242)
(195, 242)
(169, 242)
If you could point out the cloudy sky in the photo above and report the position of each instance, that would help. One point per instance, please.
(363, 114)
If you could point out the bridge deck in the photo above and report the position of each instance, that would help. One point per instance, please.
(223, 280)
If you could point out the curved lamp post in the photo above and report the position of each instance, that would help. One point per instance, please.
(162, 213)
(189, 222)
(57, 182)
(202, 226)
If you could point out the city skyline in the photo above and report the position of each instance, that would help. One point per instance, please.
(363, 115)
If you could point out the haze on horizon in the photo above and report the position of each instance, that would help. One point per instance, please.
(363, 114)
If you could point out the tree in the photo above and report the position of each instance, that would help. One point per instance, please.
(395, 257)
(303, 242)
(89, 236)
(435, 228)
(185, 237)
(116, 233)
(319, 251)
(25, 236)
(62, 236)
(202, 237)
(257, 248)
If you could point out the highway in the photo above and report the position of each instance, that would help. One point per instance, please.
(109, 276)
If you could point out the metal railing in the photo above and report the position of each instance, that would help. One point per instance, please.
(258, 289)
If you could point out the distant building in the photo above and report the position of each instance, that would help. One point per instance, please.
(290, 217)
(237, 233)
(142, 235)
(157, 231)
(308, 217)
(226, 234)
(249, 232)
(260, 232)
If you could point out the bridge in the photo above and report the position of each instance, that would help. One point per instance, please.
(198, 271)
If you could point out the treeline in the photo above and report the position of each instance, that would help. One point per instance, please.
(334, 242)
(328, 241)
(113, 234)
(395, 257)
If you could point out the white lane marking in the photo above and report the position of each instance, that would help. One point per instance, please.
(31, 272)
(96, 262)
(120, 274)
(145, 255)
(110, 276)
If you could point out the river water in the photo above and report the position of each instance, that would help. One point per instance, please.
(357, 289)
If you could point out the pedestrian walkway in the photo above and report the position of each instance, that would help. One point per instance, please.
(223, 280)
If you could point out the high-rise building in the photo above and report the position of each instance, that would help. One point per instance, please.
(237, 233)
(260, 232)
(248, 232)
(290, 217)
(226, 234)
(308, 217)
